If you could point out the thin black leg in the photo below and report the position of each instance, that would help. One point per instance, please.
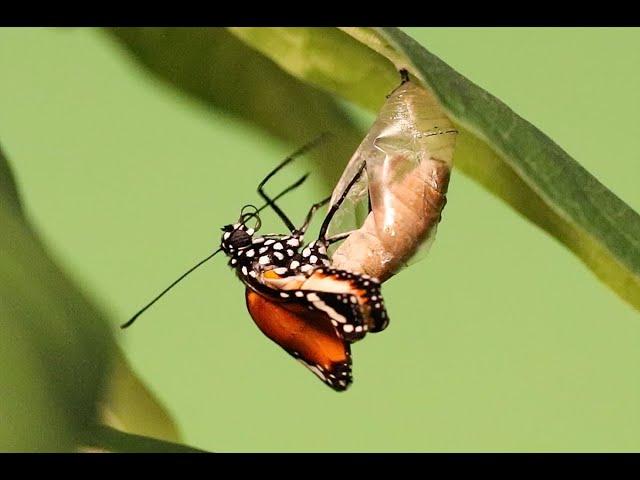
(314, 208)
(334, 208)
(291, 187)
(338, 237)
(279, 167)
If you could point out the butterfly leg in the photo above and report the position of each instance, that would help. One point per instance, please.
(339, 237)
(314, 208)
(291, 187)
(336, 206)
(279, 167)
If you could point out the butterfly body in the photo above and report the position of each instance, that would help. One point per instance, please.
(314, 312)
(293, 293)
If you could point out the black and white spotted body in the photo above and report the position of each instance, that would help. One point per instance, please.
(312, 256)
(294, 295)
(281, 268)
(252, 256)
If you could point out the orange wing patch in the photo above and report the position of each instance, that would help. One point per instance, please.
(307, 335)
(272, 279)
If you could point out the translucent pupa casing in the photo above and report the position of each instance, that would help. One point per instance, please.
(409, 154)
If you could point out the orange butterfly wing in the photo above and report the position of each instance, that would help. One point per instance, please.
(307, 335)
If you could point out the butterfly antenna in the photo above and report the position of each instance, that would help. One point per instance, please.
(144, 309)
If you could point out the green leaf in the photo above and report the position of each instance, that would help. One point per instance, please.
(216, 68)
(129, 405)
(327, 58)
(55, 347)
(507, 155)
(9, 197)
(107, 439)
(60, 361)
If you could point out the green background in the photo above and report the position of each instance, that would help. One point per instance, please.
(500, 339)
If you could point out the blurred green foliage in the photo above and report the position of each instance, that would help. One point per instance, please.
(501, 352)
(55, 346)
(215, 67)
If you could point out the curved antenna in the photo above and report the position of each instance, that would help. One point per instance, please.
(246, 216)
(248, 205)
(175, 282)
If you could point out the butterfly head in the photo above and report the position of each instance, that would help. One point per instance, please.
(239, 235)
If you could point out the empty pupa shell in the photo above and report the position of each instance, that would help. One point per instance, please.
(409, 154)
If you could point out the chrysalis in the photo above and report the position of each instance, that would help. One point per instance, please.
(408, 154)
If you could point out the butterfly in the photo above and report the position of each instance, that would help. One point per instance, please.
(296, 298)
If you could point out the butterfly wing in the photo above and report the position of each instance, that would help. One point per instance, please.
(353, 302)
(340, 287)
(307, 335)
